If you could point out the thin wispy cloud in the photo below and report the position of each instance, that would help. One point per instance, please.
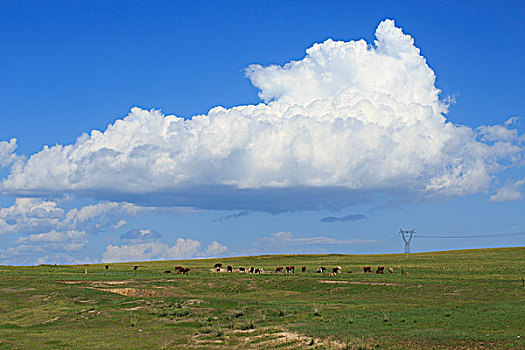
(144, 234)
(287, 238)
(232, 216)
(351, 217)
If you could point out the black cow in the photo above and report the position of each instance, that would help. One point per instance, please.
(303, 268)
(230, 269)
(218, 265)
(107, 267)
(367, 269)
(135, 268)
(242, 269)
(251, 270)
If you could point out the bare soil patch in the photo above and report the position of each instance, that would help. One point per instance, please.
(139, 292)
(359, 282)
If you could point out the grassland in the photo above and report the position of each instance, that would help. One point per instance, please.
(458, 299)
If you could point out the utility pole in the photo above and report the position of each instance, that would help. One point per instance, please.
(407, 237)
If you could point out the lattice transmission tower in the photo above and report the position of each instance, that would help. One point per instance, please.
(407, 237)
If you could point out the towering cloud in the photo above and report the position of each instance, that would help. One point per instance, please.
(348, 121)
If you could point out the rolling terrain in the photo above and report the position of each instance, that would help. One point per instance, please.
(467, 299)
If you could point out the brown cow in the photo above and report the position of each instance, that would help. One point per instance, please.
(185, 270)
(380, 269)
(179, 269)
(279, 269)
(290, 269)
(167, 271)
(367, 269)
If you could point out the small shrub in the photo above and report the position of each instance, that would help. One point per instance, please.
(182, 312)
(220, 331)
(248, 325)
(358, 343)
(134, 320)
(316, 310)
(238, 313)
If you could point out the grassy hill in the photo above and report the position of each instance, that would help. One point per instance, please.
(453, 299)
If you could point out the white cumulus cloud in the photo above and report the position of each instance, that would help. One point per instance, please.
(43, 227)
(348, 121)
(37, 215)
(510, 192)
(183, 248)
(215, 249)
(7, 153)
(67, 240)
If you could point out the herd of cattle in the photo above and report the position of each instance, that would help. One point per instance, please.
(281, 269)
(291, 269)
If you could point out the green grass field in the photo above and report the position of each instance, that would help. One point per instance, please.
(470, 299)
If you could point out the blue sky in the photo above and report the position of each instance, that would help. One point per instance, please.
(353, 131)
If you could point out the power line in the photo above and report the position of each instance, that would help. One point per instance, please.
(455, 228)
(374, 247)
(380, 247)
(476, 236)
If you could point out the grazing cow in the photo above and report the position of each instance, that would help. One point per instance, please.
(179, 269)
(229, 269)
(336, 270)
(167, 271)
(303, 268)
(135, 268)
(257, 271)
(380, 269)
(185, 270)
(321, 269)
(279, 269)
(242, 269)
(251, 269)
(391, 270)
(290, 269)
(367, 269)
(107, 267)
(218, 265)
